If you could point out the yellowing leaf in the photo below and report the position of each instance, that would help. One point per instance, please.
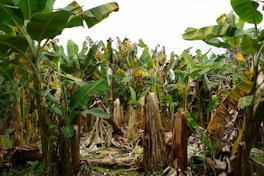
(77, 7)
(221, 18)
(120, 71)
(239, 56)
(31, 85)
(23, 61)
(141, 73)
(248, 74)
(53, 84)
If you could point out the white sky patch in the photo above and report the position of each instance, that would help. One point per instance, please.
(155, 21)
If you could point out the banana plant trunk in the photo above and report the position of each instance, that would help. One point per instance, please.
(245, 140)
(17, 123)
(132, 123)
(1, 153)
(247, 134)
(43, 126)
(75, 143)
(178, 155)
(43, 118)
(154, 156)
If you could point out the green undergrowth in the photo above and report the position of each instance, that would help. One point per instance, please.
(258, 156)
(34, 169)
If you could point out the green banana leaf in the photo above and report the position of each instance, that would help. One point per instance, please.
(67, 131)
(82, 95)
(10, 15)
(10, 43)
(7, 30)
(72, 49)
(247, 10)
(96, 112)
(222, 30)
(6, 71)
(245, 101)
(47, 25)
(145, 57)
(190, 62)
(218, 43)
(49, 6)
(30, 7)
(250, 46)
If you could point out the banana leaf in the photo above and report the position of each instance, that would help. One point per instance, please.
(220, 118)
(222, 30)
(82, 95)
(47, 25)
(93, 16)
(247, 10)
(30, 7)
(10, 15)
(11, 43)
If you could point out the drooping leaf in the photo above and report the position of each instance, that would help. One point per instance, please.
(99, 13)
(245, 101)
(222, 30)
(82, 95)
(96, 112)
(220, 118)
(93, 16)
(247, 10)
(67, 131)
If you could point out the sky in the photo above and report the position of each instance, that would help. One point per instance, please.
(154, 21)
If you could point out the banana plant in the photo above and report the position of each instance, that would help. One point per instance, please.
(247, 47)
(68, 111)
(26, 28)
